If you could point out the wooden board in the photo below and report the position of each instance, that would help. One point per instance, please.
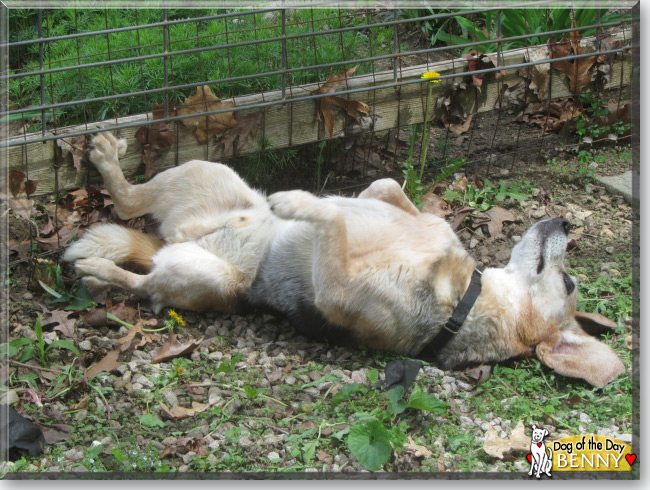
(287, 124)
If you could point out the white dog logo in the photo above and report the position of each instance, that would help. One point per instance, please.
(540, 460)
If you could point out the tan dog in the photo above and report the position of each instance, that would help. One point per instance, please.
(372, 269)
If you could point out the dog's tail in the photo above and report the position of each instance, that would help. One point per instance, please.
(117, 243)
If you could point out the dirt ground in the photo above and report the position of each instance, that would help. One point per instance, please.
(257, 434)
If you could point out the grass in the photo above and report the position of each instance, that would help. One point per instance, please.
(251, 61)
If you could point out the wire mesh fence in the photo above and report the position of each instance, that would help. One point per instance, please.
(241, 85)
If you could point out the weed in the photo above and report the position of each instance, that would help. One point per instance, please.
(490, 195)
(76, 298)
(29, 348)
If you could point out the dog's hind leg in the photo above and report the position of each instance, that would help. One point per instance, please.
(184, 276)
(330, 274)
(388, 190)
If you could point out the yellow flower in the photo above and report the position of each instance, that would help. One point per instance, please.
(177, 318)
(431, 75)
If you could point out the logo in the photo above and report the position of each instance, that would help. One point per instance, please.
(540, 457)
(588, 452)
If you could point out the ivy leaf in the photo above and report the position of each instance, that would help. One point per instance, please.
(423, 401)
(395, 399)
(369, 441)
(151, 421)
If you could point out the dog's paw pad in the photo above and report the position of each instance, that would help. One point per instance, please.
(105, 149)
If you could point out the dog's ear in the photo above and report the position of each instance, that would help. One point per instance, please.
(594, 323)
(574, 353)
(545, 432)
(534, 427)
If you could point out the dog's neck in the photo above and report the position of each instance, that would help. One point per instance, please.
(489, 331)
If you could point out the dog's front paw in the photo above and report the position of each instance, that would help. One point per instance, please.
(300, 205)
(105, 150)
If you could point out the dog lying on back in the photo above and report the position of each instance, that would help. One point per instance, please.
(371, 269)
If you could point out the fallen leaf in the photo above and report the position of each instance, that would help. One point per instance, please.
(235, 138)
(434, 204)
(537, 74)
(498, 216)
(179, 412)
(136, 337)
(66, 325)
(76, 148)
(458, 129)
(20, 189)
(16, 180)
(354, 108)
(478, 374)
(418, 450)
(107, 364)
(578, 70)
(172, 348)
(517, 441)
(459, 216)
(204, 101)
(23, 207)
(149, 156)
(478, 61)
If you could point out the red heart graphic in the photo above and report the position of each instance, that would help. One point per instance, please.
(539, 444)
(529, 458)
(631, 458)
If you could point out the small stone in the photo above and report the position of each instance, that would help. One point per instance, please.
(609, 250)
(74, 455)
(290, 380)
(187, 458)
(184, 468)
(273, 456)
(143, 380)
(28, 296)
(504, 172)
(85, 345)
(10, 398)
(170, 397)
(169, 441)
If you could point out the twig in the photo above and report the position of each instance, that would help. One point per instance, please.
(507, 386)
(281, 431)
(36, 367)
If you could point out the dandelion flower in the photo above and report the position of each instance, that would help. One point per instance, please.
(431, 76)
(177, 318)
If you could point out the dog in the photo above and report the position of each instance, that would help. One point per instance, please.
(372, 269)
(541, 461)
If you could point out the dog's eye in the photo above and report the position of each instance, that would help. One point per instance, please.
(568, 283)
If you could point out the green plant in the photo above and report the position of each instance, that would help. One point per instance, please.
(374, 434)
(77, 297)
(489, 195)
(27, 348)
(487, 26)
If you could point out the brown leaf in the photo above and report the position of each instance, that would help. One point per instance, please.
(136, 337)
(23, 207)
(578, 70)
(16, 179)
(65, 324)
(458, 129)
(172, 348)
(179, 412)
(204, 101)
(434, 204)
(478, 374)
(95, 317)
(517, 441)
(149, 156)
(353, 108)
(478, 61)
(418, 450)
(459, 216)
(334, 81)
(235, 138)
(76, 148)
(498, 216)
(538, 74)
(107, 364)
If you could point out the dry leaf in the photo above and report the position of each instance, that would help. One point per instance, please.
(76, 148)
(418, 450)
(578, 70)
(459, 217)
(235, 138)
(149, 156)
(434, 204)
(65, 324)
(538, 74)
(517, 441)
(204, 101)
(136, 337)
(107, 364)
(179, 412)
(16, 180)
(478, 374)
(497, 216)
(20, 189)
(172, 348)
(458, 129)
(478, 61)
(354, 108)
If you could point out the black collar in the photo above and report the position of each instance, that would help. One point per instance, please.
(458, 316)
